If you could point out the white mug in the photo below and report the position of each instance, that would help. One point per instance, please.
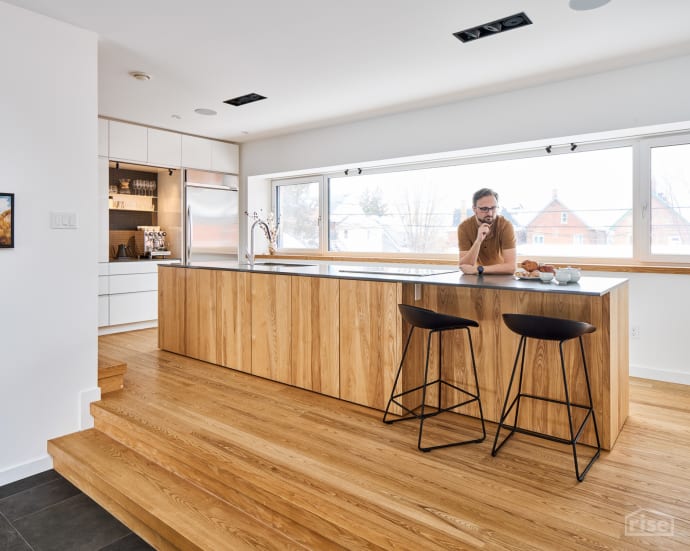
(563, 275)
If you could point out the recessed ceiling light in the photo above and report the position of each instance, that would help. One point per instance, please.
(493, 27)
(204, 111)
(583, 5)
(140, 76)
(244, 100)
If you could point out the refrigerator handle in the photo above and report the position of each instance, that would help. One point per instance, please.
(189, 234)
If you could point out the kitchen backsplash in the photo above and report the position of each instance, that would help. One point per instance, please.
(132, 239)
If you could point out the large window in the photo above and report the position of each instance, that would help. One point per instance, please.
(625, 201)
(549, 199)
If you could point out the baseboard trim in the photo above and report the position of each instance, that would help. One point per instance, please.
(110, 329)
(30, 468)
(660, 375)
(85, 398)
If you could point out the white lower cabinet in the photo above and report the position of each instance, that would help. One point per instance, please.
(133, 283)
(128, 295)
(133, 307)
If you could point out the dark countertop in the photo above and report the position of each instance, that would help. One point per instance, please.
(414, 273)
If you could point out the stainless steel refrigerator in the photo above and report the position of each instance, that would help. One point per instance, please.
(211, 216)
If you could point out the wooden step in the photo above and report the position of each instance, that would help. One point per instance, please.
(164, 509)
(111, 373)
(240, 469)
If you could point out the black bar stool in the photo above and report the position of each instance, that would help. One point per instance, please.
(553, 329)
(436, 323)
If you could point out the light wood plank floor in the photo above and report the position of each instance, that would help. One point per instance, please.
(338, 470)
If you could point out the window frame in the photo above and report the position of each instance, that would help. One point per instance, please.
(641, 197)
(281, 182)
(644, 222)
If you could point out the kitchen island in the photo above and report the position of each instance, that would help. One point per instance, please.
(334, 328)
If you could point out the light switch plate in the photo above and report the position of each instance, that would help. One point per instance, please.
(63, 221)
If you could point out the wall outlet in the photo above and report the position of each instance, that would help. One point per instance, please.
(635, 332)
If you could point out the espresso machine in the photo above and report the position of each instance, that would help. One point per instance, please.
(154, 241)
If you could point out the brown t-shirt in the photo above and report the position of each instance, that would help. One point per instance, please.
(500, 238)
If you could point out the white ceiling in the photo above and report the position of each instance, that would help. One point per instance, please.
(321, 62)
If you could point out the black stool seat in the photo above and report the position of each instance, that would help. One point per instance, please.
(434, 322)
(541, 327)
(428, 319)
(552, 329)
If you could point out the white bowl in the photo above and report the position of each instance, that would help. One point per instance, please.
(545, 276)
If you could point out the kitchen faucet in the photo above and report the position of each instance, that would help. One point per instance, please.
(250, 254)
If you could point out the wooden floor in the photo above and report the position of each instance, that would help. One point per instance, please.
(195, 456)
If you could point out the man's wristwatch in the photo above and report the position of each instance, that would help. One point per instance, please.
(480, 270)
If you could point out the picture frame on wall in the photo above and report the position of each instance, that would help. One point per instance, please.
(6, 220)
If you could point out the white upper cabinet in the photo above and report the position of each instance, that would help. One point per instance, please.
(206, 154)
(225, 157)
(196, 152)
(128, 142)
(164, 148)
(102, 138)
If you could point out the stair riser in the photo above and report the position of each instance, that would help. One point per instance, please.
(217, 481)
(111, 384)
(111, 499)
(218, 476)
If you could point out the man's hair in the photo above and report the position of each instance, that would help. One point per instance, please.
(484, 192)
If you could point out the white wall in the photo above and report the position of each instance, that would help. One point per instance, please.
(643, 95)
(48, 282)
(650, 94)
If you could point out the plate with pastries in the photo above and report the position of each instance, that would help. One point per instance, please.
(534, 271)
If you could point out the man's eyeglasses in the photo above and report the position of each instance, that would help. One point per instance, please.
(486, 209)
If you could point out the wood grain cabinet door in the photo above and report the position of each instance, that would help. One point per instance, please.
(200, 315)
(315, 334)
(370, 351)
(171, 309)
(271, 326)
(234, 320)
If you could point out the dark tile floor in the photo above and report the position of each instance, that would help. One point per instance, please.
(46, 513)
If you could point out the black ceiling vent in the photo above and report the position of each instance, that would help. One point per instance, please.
(495, 27)
(243, 100)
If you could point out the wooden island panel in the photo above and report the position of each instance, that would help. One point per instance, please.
(370, 336)
(271, 326)
(200, 315)
(233, 297)
(315, 352)
(171, 309)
